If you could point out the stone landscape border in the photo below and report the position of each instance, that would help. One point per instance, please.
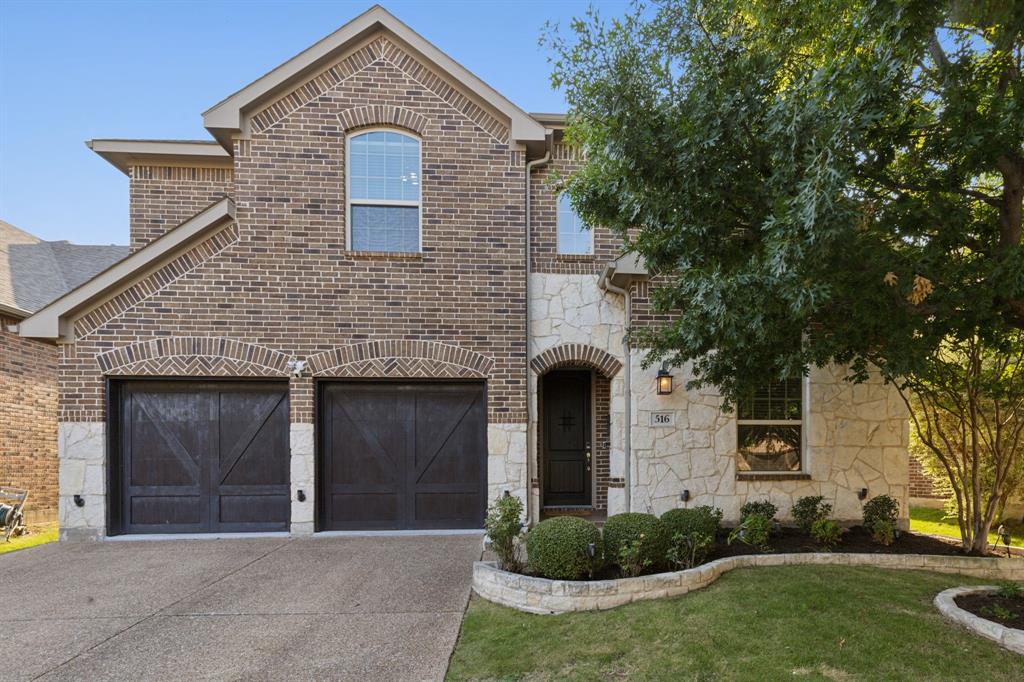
(543, 596)
(1008, 638)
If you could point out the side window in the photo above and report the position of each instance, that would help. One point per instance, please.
(573, 235)
(770, 427)
(383, 191)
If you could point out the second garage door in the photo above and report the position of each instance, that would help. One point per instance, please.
(402, 455)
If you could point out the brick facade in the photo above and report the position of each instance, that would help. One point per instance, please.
(28, 420)
(162, 197)
(921, 484)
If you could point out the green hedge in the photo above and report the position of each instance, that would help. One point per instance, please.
(557, 548)
(703, 519)
(622, 528)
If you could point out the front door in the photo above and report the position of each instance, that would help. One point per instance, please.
(567, 430)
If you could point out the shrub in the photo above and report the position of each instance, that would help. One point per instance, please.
(754, 530)
(632, 527)
(880, 514)
(763, 508)
(632, 559)
(1010, 590)
(826, 533)
(558, 548)
(504, 527)
(807, 510)
(703, 519)
(690, 549)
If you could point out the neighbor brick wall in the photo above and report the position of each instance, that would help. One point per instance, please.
(921, 485)
(161, 198)
(544, 222)
(28, 420)
(288, 284)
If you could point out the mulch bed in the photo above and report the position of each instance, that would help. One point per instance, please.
(855, 540)
(995, 608)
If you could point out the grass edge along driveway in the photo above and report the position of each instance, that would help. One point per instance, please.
(37, 537)
(792, 622)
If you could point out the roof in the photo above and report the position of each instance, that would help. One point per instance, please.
(54, 321)
(228, 117)
(123, 154)
(34, 272)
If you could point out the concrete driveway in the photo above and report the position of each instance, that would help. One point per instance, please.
(321, 608)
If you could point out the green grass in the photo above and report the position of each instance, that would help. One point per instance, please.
(787, 622)
(37, 537)
(931, 521)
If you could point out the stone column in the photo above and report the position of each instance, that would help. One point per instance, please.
(81, 449)
(303, 469)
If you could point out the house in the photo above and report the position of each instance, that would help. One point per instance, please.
(33, 272)
(363, 304)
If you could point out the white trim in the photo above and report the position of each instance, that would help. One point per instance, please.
(123, 154)
(349, 201)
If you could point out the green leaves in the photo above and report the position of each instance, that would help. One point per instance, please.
(774, 161)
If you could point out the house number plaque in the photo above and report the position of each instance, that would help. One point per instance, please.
(663, 418)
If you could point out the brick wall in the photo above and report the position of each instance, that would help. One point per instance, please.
(28, 420)
(921, 485)
(283, 280)
(164, 197)
(544, 182)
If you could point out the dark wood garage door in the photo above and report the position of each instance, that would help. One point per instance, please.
(402, 455)
(202, 457)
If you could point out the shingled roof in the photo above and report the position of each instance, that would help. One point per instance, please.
(34, 272)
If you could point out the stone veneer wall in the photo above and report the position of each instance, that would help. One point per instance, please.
(855, 435)
(28, 420)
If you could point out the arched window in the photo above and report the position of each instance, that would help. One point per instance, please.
(383, 191)
(574, 237)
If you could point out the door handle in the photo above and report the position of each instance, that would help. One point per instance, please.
(588, 459)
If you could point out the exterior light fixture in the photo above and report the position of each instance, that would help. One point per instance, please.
(685, 497)
(79, 501)
(664, 380)
(591, 550)
(1004, 535)
(862, 494)
(301, 496)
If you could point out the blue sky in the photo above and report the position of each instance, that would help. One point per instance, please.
(71, 71)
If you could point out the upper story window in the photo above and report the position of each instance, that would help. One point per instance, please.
(573, 235)
(770, 427)
(383, 191)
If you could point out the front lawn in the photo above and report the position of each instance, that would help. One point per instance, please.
(38, 537)
(932, 522)
(787, 622)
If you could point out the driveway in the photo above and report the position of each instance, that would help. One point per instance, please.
(320, 608)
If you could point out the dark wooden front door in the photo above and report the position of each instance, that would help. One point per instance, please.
(567, 431)
(201, 457)
(402, 455)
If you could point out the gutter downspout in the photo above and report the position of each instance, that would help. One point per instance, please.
(530, 444)
(605, 283)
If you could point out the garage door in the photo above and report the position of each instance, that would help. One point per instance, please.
(201, 457)
(402, 455)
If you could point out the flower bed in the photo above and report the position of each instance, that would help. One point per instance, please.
(543, 596)
(972, 607)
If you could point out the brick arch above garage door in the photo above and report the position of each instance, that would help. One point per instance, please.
(576, 355)
(401, 359)
(194, 356)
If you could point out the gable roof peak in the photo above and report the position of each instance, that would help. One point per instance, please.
(229, 117)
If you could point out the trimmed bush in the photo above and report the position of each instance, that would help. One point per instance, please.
(703, 519)
(826, 533)
(625, 530)
(763, 508)
(557, 548)
(808, 510)
(504, 527)
(880, 514)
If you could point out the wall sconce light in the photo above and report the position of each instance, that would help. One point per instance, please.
(301, 496)
(664, 380)
(862, 494)
(685, 497)
(79, 502)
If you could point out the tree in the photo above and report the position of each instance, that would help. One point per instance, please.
(838, 181)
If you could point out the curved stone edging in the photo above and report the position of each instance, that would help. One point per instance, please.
(1008, 638)
(543, 596)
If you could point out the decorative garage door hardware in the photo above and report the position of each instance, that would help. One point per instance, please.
(201, 456)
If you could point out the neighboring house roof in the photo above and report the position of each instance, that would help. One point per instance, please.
(228, 117)
(123, 154)
(54, 321)
(34, 272)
